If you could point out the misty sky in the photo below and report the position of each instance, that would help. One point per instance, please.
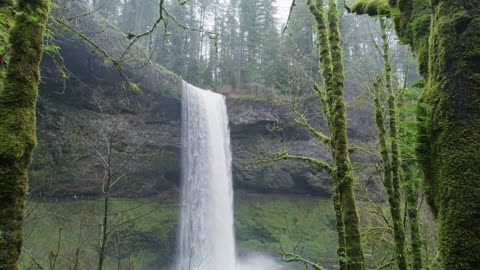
(283, 9)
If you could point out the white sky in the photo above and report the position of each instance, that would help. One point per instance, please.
(283, 7)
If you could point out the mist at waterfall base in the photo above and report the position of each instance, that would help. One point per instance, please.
(206, 232)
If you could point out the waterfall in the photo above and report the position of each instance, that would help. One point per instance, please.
(206, 236)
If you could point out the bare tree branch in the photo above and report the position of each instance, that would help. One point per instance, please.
(289, 16)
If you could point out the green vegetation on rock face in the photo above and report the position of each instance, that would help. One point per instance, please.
(268, 223)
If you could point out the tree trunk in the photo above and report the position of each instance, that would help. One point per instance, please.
(331, 60)
(452, 138)
(413, 218)
(341, 248)
(445, 38)
(344, 171)
(326, 66)
(17, 123)
(392, 182)
(7, 17)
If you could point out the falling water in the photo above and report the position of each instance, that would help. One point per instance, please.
(206, 240)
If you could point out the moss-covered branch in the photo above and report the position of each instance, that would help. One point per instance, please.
(325, 93)
(410, 178)
(393, 200)
(393, 187)
(280, 156)
(371, 7)
(318, 11)
(302, 120)
(292, 257)
(414, 220)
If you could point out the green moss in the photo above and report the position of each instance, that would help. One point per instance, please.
(371, 7)
(393, 197)
(414, 223)
(448, 152)
(324, 52)
(412, 24)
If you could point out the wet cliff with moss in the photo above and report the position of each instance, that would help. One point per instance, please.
(84, 99)
(76, 115)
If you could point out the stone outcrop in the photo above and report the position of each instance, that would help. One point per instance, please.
(80, 116)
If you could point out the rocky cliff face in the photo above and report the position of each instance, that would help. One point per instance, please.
(75, 126)
(76, 123)
(262, 127)
(89, 118)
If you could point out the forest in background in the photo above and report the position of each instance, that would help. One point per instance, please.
(242, 47)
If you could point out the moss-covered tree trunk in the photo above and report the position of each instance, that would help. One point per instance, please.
(343, 166)
(452, 139)
(318, 11)
(341, 247)
(445, 36)
(17, 123)
(414, 221)
(331, 62)
(393, 201)
(392, 182)
(409, 177)
(6, 23)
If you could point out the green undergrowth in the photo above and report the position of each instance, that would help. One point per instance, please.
(146, 240)
(272, 223)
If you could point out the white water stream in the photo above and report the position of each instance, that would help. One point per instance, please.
(206, 237)
(206, 222)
